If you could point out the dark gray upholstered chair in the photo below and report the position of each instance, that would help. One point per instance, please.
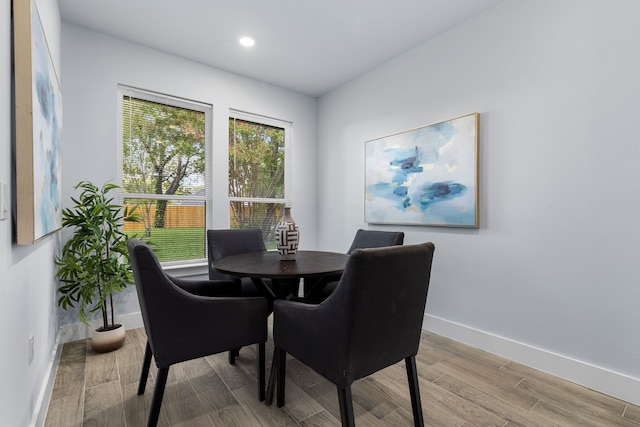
(376, 239)
(362, 239)
(372, 320)
(221, 243)
(227, 242)
(182, 325)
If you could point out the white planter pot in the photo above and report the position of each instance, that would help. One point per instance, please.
(105, 341)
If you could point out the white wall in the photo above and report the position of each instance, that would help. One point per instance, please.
(550, 271)
(551, 277)
(94, 66)
(27, 285)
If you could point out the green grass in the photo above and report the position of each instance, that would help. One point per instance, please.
(176, 244)
(179, 244)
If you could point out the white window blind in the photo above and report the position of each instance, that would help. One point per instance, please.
(164, 170)
(259, 172)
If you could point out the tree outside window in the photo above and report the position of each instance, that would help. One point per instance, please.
(257, 171)
(163, 171)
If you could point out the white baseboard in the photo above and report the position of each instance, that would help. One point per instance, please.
(80, 331)
(594, 377)
(44, 397)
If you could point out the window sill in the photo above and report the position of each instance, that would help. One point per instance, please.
(183, 270)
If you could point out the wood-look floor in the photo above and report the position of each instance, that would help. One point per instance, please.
(459, 386)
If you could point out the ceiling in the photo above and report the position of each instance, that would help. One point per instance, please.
(309, 46)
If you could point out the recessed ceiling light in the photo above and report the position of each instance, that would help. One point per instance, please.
(246, 41)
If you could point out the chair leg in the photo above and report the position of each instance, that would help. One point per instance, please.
(158, 393)
(346, 406)
(271, 383)
(232, 356)
(261, 372)
(281, 360)
(146, 363)
(414, 390)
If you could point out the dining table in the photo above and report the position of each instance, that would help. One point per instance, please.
(312, 266)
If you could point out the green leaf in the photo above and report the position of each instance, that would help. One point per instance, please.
(94, 262)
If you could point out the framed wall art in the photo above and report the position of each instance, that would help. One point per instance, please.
(425, 176)
(38, 115)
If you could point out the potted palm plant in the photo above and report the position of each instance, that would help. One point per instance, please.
(94, 262)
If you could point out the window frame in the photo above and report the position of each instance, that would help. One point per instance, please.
(287, 126)
(146, 95)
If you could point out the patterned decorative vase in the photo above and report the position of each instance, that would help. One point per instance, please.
(287, 236)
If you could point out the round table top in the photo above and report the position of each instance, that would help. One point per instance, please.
(269, 264)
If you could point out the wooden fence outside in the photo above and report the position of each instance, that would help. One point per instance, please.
(175, 216)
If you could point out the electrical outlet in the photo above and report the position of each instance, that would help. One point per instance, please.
(31, 345)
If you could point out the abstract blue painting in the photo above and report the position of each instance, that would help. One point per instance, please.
(424, 176)
(38, 129)
(47, 129)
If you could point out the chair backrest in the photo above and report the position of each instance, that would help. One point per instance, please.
(221, 243)
(156, 292)
(375, 239)
(376, 311)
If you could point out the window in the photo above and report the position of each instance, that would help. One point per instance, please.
(165, 171)
(258, 172)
